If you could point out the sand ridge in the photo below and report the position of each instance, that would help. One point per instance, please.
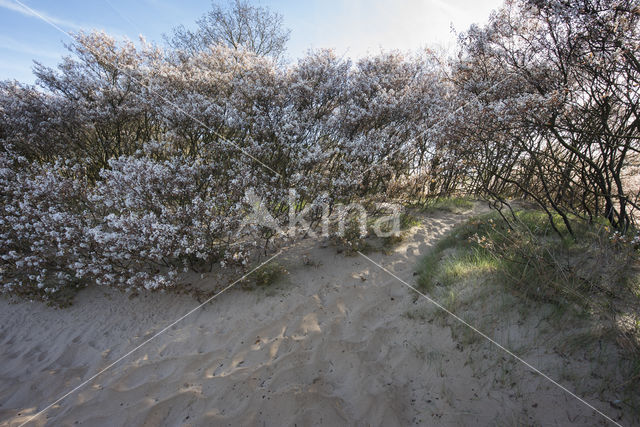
(329, 345)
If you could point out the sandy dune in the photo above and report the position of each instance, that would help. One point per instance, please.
(329, 345)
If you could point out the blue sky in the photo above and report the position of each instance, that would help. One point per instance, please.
(353, 27)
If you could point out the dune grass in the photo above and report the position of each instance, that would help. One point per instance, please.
(448, 204)
(592, 270)
(454, 257)
(591, 280)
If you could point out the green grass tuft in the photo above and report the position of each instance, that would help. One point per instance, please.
(448, 204)
(408, 221)
(470, 263)
(265, 276)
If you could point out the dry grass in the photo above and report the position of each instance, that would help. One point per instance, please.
(582, 294)
(265, 276)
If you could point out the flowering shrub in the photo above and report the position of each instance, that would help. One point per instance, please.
(143, 222)
(136, 163)
(43, 213)
(160, 217)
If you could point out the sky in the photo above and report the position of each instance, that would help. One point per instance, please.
(354, 28)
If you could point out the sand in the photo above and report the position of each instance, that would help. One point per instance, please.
(330, 344)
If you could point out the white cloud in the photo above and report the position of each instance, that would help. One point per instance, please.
(33, 13)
